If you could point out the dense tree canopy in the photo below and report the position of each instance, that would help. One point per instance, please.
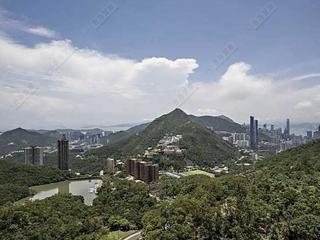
(120, 205)
(130, 200)
(278, 200)
(58, 217)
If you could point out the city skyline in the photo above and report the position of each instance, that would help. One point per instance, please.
(94, 65)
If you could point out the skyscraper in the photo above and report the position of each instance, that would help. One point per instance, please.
(287, 129)
(63, 153)
(256, 125)
(33, 155)
(252, 133)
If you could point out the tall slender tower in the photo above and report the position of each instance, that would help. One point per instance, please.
(256, 126)
(252, 133)
(288, 127)
(63, 153)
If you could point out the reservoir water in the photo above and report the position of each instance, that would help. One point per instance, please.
(84, 188)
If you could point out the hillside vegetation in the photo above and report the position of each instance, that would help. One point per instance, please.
(202, 146)
(119, 206)
(279, 199)
(218, 123)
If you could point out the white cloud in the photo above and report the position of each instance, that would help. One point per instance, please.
(57, 84)
(239, 94)
(306, 76)
(9, 23)
(75, 86)
(41, 31)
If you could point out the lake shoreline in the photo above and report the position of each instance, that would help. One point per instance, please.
(75, 186)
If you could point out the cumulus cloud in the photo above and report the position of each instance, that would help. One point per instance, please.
(238, 94)
(57, 84)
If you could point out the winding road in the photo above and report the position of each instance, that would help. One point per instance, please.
(135, 236)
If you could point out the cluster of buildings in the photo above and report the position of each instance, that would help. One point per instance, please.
(142, 170)
(313, 135)
(34, 154)
(240, 140)
(167, 145)
(270, 139)
(284, 139)
(86, 142)
(275, 139)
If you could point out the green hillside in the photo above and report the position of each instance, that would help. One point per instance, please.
(278, 199)
(202, 146)
(215, 123)
(294, 163)
(220, 123)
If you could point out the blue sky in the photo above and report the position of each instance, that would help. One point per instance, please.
(187, 29)
(286, 45)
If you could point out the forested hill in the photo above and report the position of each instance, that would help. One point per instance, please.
(296, 162)
(215, 123)
(202, 146)
(279, 199)
(219, 123)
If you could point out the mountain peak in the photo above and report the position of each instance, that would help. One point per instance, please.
(177, 112)
(16, 130)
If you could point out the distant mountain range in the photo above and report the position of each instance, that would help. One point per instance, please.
(202, 146)
(19, 138)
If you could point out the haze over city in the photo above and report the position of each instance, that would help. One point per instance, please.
(128, 62)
